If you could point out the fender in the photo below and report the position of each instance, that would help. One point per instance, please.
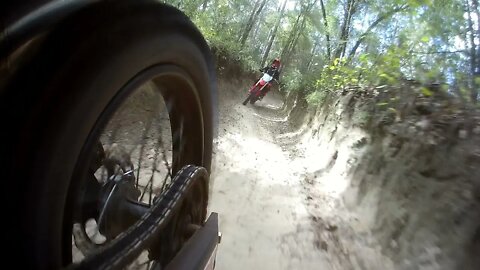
(28, 23)
(36, 22)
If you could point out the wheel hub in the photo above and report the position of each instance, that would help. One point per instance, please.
(161, 229)
(119, 205)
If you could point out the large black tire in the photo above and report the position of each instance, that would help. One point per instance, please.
(73, 81)
(247, 99)
(253, 100)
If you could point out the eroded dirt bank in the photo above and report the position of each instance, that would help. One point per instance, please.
(405, 182)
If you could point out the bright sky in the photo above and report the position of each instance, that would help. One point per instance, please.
(290, 4)
(363, 25)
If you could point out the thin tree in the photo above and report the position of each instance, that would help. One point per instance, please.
(296, 31)
(474, 68)
(379, 19)
(349, 11)
(251, 21)
(327, 32)
(273, 34)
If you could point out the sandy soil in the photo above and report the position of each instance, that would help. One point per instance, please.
(257, 190)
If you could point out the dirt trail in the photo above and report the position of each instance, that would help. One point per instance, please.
(258, 192)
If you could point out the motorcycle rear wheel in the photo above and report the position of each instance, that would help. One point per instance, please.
(57, 103)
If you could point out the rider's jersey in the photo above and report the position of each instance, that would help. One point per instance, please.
(271, 71)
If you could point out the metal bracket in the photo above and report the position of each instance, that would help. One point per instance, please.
(201, 249)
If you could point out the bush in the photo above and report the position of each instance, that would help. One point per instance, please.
(316, 97)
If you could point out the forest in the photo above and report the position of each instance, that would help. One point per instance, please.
(330, 45)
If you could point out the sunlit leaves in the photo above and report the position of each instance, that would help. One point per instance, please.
(426, 92)
(427, 40)
(418, 3)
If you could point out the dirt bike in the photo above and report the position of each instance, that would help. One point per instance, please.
(108, 113)
(255, 92)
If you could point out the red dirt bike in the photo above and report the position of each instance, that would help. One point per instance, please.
(256, 91)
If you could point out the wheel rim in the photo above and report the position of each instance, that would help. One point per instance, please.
(184, 117)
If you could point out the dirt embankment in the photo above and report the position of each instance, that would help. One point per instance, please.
(394, 184)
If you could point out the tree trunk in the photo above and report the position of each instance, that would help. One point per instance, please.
(250, 18)
(297, 36)
(350, 9)
(308, 63)
(204, 5)
(274, 33)
(291, 37)
(327, 35)
(255, 32)
(296, 32)
(473, 54)
(347, 32)
(253, 18)
(477, 13)
(476, 74)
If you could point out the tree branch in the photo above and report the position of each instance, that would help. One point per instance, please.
(373, 25)
(440, 52)
(325, 22)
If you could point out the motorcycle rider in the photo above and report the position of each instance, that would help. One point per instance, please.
(272, 70)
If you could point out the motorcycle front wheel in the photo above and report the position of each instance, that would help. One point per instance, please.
(99, 80)
(247, 99)
(253, 99)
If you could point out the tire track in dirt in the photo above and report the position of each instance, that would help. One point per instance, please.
(258, 192)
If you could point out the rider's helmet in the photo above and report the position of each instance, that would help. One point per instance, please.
(276, 63)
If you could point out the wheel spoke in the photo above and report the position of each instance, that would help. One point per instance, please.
(142, 149)
(156, 137)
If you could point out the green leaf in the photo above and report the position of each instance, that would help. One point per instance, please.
(389, 78)
(426, 92)
(477, 81)
(413, 3)
(363, 58)
(382, 104)
(425, 39)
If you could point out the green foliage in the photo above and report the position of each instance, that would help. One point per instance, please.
(426, 92)
(317, 97)
(338, 76)
(386, 41)
(292, 80)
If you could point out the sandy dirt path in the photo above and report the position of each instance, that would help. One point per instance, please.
(257, 192)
